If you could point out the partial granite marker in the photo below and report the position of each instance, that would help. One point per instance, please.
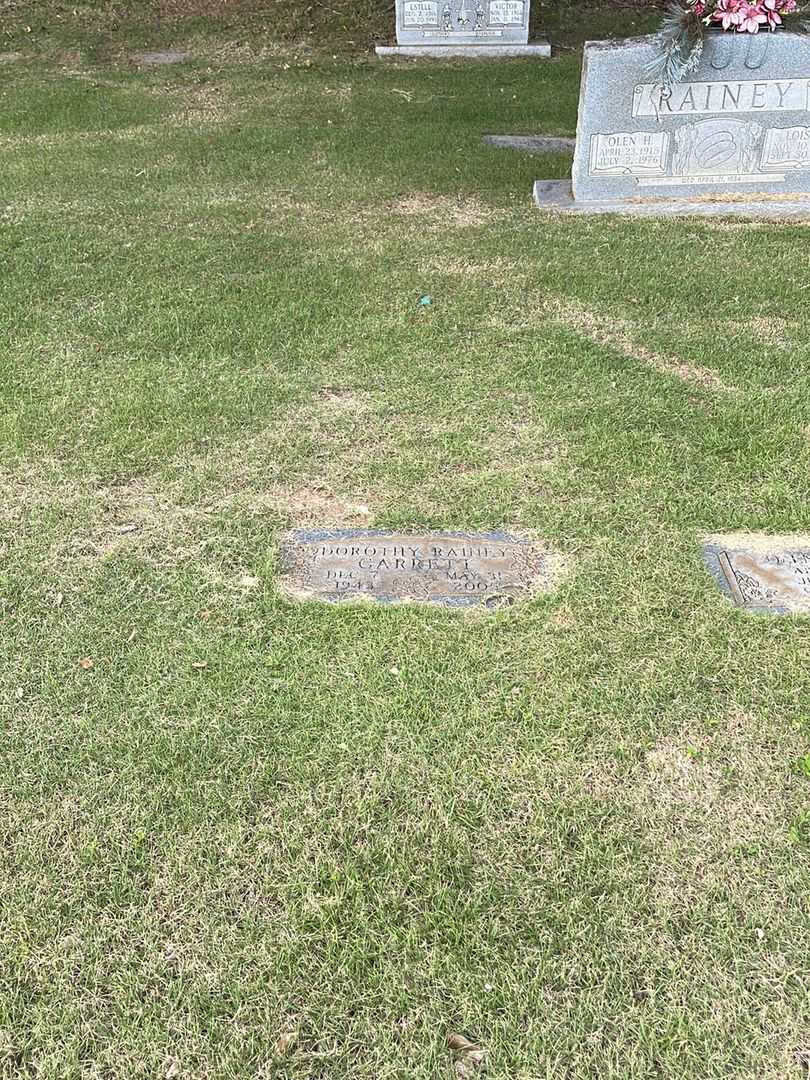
(732, 138)
(450, 569)
(479, 29)
(158, 59)
(533, 144)
(762, 573)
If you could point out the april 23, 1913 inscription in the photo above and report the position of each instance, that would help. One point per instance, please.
(740, 123)
(451, 569)
(762, 574)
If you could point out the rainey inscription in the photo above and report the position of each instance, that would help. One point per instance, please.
(739, 123)
(685, 99)
(766, 576)
(453, 569)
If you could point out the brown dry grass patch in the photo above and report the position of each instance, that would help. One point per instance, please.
(238, 52)
(184, 9)
(773, 330)
(617, 333)
(319, 505)
(458, 211)
(496, 270)
(707, 789)
(136, 515)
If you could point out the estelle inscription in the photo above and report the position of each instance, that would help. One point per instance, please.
(456, 570)
(420, 13)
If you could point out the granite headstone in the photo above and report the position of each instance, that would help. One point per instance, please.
(464, 27)
(738, 128)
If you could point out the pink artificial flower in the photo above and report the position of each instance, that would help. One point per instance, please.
(699, 8)
(787, 7)
(752, 17)
(728, 13)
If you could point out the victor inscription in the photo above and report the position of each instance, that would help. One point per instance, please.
(507, 12)
(450, 569)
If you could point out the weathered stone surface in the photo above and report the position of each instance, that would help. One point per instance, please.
(451, 569)
(557, 196)
(532, 144)
(157, 59)
(462, 22)
(740, 125)
(539, 49)
(762, 573)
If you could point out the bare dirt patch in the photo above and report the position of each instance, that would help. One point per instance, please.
(12, 214)
(616, 333)
(335, 397)
(15, 142)
(320, 505)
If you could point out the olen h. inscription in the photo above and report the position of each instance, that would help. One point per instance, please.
(763, 574)
(452, 569)
(739, 124)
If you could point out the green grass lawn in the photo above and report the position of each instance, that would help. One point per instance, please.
(247, 838)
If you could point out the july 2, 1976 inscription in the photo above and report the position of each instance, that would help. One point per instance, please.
(763, 574)
(451, 569)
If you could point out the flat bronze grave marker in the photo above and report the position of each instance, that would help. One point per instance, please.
(762, 574)
(450, 569)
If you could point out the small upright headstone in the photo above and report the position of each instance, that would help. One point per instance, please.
(734, 136)
(473, 28)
